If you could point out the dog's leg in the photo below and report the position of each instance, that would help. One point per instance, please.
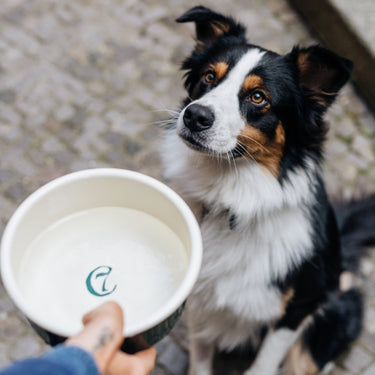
(201, 350)
(272, 352)
(201, 357)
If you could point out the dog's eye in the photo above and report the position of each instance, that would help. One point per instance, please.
(209, 76)
(258, 98)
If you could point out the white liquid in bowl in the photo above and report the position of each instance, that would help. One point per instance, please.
(105, 253)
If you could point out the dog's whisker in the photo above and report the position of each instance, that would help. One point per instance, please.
(220, 157)
(244, 148)
(166, 124)
(251, 158)
(160, 107)
(232, 158)
(256, 142)
(170, 120)
(165, 110)
(229, 160)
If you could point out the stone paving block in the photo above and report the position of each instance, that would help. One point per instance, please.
(335, 148)
(64, 157)
(7, 96)
(173, 359)
(12, 57)
(364, 147)
(369, 319)
(10, 327)
(9, 116)
(6, 306)
(370, 370)
(64, 113)
(357, 162)
(27, 347)
(2, 290)
(121, 124)
(17, 192)
(357, 360)
(52, 144)
(20, 39)
(339, 371)
(4, 360)
(369, 288)
(368, 342)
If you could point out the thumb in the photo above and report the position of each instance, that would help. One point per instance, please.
(102, 334)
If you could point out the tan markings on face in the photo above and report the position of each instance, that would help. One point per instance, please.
(254, 82)
(258, 147)
(300, 362)
(220, 69)
(286, 298)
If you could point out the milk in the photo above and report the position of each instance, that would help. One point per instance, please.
(104, 253)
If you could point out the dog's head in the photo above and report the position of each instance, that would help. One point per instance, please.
(249, 103)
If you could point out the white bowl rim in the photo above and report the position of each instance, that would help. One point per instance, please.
(177, 299)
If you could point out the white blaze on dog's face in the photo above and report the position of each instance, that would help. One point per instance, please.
(231, 114)
(214, 122)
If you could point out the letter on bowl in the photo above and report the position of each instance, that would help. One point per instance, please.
(97, 281)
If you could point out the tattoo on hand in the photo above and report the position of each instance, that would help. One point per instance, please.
(106, 336)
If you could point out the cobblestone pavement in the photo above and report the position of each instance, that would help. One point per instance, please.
(82, 84)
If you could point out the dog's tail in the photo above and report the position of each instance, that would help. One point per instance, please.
(356, 222)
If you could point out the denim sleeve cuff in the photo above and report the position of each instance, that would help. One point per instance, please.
(73, 358)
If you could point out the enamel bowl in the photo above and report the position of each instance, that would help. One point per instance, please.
(97, 235)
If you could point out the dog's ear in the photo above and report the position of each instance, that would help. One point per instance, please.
(322, 73)
(210, 26)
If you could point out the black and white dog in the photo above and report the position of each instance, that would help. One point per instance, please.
(246, 153)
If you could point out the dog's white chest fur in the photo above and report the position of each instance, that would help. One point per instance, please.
(235, 288)
(271, 234)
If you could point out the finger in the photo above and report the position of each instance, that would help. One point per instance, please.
(109, 309)
(125, 364)
(147, 357)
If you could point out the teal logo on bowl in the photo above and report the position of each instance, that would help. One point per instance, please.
(97, 279)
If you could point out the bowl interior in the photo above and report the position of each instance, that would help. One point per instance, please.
(88, 190)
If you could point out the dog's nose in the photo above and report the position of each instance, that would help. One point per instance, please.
(198, 118)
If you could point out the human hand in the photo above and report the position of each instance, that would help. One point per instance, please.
(102, 337)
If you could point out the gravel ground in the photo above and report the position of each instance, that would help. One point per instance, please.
(83, 84)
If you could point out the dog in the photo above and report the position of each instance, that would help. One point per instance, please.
(245, 151)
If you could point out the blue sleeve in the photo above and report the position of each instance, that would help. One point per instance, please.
(62, 360)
